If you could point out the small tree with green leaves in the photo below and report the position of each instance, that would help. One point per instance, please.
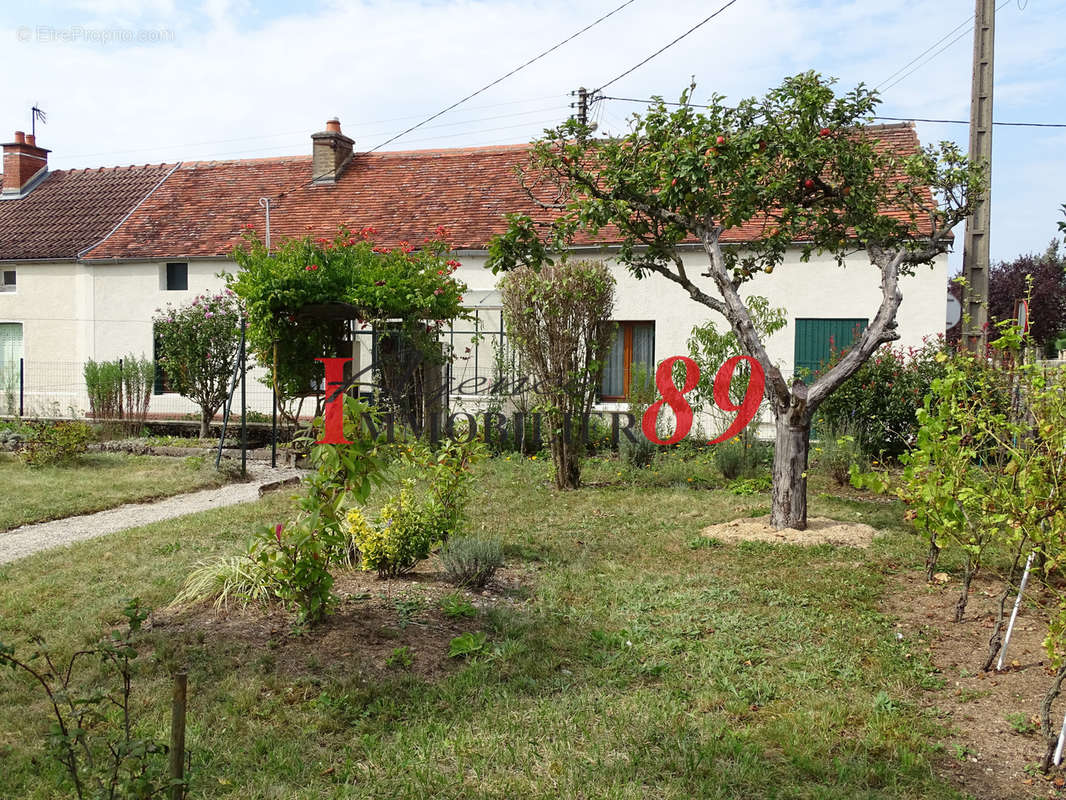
(799, 168)
(710, 348)
(557, 316)
(199, 345)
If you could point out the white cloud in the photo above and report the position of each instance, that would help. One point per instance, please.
(268, 78)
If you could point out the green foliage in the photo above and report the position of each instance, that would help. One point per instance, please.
(822, 178)
(556, 316)
(639, 454)
(401, 534)
(879, 403)
(456, 606)
(1020, 723)
(93, 734)
(54, 443)
(285, 289)
(199, 345)
(228, 578)
(448, 472)
(746, 487)
(467, 644)
(471, 560)
(103, 382)
(838, 453)
(138, 382)
(422, 514)
(988, 470)
(710, 348)
(400, 658)
(738, 457)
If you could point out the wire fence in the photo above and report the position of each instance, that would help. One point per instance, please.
(58, 389)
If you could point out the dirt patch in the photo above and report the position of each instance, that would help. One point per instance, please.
(375, 621)
(987, 755)
(820, 530)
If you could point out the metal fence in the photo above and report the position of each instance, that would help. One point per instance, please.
(58, 389)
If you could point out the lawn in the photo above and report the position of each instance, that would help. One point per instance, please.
(633, 661)
(94, 482)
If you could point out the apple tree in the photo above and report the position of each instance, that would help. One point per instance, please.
(800, 168)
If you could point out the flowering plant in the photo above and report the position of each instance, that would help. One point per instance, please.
(198, 345)
(287, 289)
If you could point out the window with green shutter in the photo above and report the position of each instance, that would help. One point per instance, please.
(817, 339)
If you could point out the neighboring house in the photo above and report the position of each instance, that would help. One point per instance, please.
(95, 252)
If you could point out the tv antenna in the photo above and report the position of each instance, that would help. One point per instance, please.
(36, 114)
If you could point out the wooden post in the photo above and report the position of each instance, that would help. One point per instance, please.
(177, 737)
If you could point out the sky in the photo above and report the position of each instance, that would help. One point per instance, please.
(148, 81)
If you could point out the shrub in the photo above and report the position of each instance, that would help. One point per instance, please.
(837, 452)
(400, 536)
(880, 402)
(95, 733)
(639, 454)
(103, 382)
(470, 560)
(199, 347)
(54, 443)
(729, 458)
(555, 316)
(239, 577)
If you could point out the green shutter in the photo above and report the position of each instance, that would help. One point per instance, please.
(816, 338)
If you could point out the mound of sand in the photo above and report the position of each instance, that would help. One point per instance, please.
(820, 530)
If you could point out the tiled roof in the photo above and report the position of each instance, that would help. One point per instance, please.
(71, 210)
(202, 208)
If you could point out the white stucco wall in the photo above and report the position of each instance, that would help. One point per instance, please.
(73, 312)
(818, 289)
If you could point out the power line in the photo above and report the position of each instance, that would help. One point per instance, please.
(174, 145)
(508, 75)
(967, 23)
(892, 119)
(967, 122)
(698, 25)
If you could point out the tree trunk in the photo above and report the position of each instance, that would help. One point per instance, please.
(566, 453)
(1051, 732)
(788, 508)
(205, 423)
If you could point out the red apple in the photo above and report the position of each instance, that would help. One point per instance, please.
(720, 140)
(809, 183)
(824, 132)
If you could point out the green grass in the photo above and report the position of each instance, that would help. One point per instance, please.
(639, 666)
(94, 482)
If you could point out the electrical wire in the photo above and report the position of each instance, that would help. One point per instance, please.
(502, 78)
(695, 27)
(892, 119)
(882, 87)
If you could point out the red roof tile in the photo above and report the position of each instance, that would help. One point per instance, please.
(201, 209)
(71, 210)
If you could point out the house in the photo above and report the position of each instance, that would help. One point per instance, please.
(93, 253)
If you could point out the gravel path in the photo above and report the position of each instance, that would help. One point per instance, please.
(20, 542)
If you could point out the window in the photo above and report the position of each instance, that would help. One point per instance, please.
(7, 280)
(633, 350)
(177, 277)
(817, 339)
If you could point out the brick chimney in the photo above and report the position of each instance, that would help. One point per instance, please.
(24, 162)
(331, 152)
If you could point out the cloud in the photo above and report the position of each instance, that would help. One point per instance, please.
(242, 79)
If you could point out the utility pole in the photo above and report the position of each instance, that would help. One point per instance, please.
(582, 105)
(975, 248)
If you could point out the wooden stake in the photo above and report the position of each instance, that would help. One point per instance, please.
(177, 737)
